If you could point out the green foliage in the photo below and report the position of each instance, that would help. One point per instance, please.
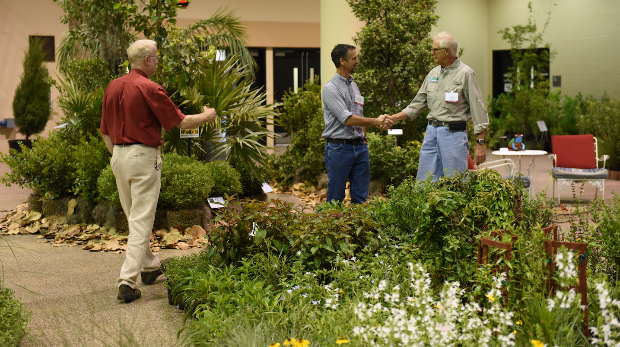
(13, 319)
(88, 75)
(602, 119)
(47, 168)
(254, 227)
(298, 107)
(106, 187)
(31, 103)
(185, 182)
(604, 238)
(302, 116)
(558, 327)
(394, 51)
(529, 100)
(390, 164)
(445, 218)
(226, 179)
(91, 156)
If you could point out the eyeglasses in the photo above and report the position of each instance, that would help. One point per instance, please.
(434, 50)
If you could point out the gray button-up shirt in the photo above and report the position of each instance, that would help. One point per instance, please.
(458, 78)
(338, 105)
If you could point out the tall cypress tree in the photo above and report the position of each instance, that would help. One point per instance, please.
(31, 104)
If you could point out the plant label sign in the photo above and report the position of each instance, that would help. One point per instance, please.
(189, 133)
(395, 131)
(216, 202)
(266, 188)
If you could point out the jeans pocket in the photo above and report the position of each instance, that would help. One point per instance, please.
(332, 147)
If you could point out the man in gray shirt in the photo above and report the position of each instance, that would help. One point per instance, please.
(346, 149)
(452, 95)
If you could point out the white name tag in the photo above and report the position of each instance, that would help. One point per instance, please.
(359, 100)
(452, 97)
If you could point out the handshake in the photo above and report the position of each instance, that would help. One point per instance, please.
(384, 122)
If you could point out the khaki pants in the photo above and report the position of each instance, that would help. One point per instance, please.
(137, 169)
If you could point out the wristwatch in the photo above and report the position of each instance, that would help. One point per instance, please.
(480, 142)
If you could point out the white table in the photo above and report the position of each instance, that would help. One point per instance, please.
(528, 152)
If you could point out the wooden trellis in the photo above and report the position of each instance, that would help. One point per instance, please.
(551, 248)
(483, 254)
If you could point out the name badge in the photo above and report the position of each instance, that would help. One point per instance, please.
(434, 80)
(359, 100)
(452, 97)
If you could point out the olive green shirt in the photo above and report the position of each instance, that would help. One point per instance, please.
(458, 78)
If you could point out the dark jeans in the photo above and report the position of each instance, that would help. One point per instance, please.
(350, 162)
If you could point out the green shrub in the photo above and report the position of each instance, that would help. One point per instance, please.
(275, 226)
(47, 168)
(390, 164)
(226, 179)
(185, 182)
(91, 156)
(602, 120)
(303, 160)
(31, 103)
(250, 184)
(13, 319)
(604, 238)
(88, 74)
(106, 187)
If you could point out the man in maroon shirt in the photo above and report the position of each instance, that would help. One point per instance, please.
(134, 110)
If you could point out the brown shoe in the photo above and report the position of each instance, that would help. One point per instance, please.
(128, 294)
(150, 277)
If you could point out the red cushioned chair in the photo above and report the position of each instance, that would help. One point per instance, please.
(575, 159)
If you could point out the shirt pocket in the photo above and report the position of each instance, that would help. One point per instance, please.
(452, 106)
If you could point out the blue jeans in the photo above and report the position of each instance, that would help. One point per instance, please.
(350, 162)
(443, 152)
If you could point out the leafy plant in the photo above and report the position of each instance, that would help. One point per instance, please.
(31, 103)
(106, 187)
(225, 178)
(47, 168)
(602, 119)
(185, 182)
(91, 156)
(392, 164)
(302, 116)
(14, 319)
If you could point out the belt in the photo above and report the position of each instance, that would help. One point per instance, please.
(128, 144)
(345, 141)
(437, 123)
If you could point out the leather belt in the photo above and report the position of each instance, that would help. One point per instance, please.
(345, 141)
(128, 144)
(437, 123)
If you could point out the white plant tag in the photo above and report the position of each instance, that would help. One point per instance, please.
(216, 202)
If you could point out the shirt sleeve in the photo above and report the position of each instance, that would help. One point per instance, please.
(335, 103)
(164, 109)
(478, 111)
(418, 104)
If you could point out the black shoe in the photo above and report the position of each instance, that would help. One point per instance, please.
(128, 294)
(150, 277)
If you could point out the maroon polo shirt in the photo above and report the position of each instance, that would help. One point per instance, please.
(135, 108)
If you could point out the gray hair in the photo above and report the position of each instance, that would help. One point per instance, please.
(447, 41)
(138, 50)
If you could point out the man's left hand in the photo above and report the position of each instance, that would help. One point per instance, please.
(480, 153)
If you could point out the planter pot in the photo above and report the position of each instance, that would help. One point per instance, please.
(614, 175)
(171, 300)
(15, 144)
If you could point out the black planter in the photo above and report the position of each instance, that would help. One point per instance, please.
(15, 144)
(180, 305)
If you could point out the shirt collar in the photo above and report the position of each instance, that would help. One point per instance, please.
(342, 79)
(139, 72)
(453, 66)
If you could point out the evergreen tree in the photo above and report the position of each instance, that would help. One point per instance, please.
(394, 51)
(31, 104)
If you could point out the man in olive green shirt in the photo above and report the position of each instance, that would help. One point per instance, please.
(452, 95)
